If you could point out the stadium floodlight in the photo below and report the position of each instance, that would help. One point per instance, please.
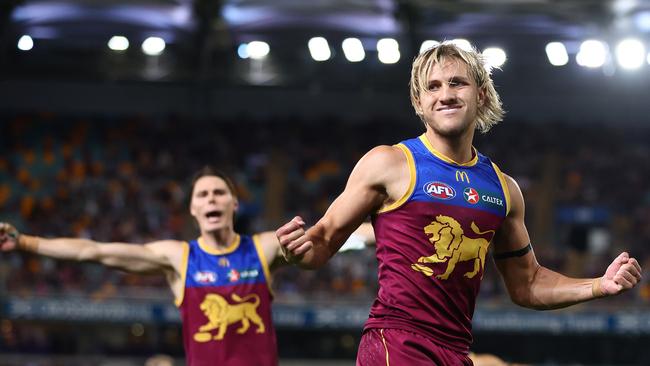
(463, 44)
(319, 49)
(242, 51)
(428, 44)
(257, 50)
(388, 51)
(153, 46)
(592, 54)
(25, 43)
(118, 43)
(557, 54)
(630, 54)
(494, 57)
(353, 50)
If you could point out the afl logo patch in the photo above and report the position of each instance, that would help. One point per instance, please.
(471, 196)
(205, 277)
(439, 190)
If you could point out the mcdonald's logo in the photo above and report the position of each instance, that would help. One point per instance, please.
(462, 176)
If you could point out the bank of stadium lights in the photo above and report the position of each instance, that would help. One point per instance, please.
(118, 43)
(494, 57)
(388, 51)
(319, 49)
(153, 46)
(592, 54)
(25, 43)
(630, 54)
(353, 50)
(557, 54)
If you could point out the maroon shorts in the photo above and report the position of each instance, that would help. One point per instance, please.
(396, 347)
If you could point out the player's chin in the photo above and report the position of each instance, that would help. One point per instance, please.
(454, 130)
(213, 226)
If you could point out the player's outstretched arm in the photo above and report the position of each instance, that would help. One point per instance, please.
(148, 258)
(534, 286)
(374, 180)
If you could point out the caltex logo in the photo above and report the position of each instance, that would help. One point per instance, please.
(471, 195)
(439, 190)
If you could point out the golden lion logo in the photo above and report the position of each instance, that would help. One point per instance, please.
(452, 246)
(221, 314)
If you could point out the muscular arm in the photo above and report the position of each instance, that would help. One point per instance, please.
(534, 286)
(378, 179)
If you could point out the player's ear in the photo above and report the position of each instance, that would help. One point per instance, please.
(418, 107)
(192, 210)
(482, 96)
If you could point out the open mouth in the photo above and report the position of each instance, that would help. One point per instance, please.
(213, 216)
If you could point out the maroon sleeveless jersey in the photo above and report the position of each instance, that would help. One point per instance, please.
(432, 245)
(226, 306)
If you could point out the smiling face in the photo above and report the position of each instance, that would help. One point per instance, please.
(213, 204)
(442, 64)
(450, 103)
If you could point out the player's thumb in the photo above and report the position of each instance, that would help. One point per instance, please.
(622, 258)
(298, 220)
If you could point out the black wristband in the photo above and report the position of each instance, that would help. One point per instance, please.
(515, 253)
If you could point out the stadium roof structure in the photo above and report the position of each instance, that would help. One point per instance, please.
(210, 42)
(202, 36)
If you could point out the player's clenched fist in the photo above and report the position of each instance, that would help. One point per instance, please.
(293, 241)
(623, 274)
(8, 237)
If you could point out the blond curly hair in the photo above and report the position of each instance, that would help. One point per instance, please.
(490, 112)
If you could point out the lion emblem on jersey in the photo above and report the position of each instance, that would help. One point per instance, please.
(221, 314)
(453, 246)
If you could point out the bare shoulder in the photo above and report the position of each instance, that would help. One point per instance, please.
(512, 183)
(381, 163)
(167, 248)
(171, 244)
(516, 197)
(385, 154)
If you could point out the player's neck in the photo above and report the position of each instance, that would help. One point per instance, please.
(219, 239)
(458, 148)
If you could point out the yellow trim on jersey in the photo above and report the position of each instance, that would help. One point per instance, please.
(411, 163)
(383, 340)
(504, 186)
(444, 158)
(265, 263)
(231, 248)
(183, 272)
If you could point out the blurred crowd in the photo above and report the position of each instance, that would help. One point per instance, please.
(587, 192)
